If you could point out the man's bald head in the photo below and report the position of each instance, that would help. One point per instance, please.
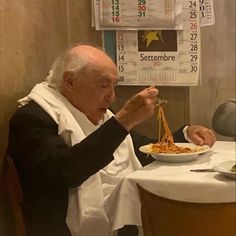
(76, 59)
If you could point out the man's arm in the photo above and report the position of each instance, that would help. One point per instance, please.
(41, 154)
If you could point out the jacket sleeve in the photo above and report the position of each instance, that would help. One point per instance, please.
(42, 155)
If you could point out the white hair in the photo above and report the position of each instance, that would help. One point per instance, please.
(66, 61)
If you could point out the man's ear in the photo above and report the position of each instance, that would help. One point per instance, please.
(68, 79)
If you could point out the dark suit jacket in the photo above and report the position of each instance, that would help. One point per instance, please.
(47, 167)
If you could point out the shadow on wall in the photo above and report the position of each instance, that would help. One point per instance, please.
(6, 218)
(6, 110)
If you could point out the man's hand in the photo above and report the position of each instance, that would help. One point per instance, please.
(201, 135)
(137, 109)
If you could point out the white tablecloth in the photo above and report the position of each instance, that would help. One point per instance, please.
(174, 181)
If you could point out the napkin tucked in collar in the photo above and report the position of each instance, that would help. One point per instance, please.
(85, 213)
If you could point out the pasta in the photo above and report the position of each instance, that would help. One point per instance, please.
(166, 143)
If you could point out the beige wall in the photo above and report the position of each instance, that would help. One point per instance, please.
(218, 65)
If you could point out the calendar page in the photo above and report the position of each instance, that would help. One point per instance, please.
(145, 14)
(137, 14)
(161, 57)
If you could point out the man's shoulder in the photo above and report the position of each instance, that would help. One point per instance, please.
(32, 110)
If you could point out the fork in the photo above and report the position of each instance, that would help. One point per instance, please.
(160, 101)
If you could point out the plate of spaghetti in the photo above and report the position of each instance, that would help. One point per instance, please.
(166, 149)
(178, 152)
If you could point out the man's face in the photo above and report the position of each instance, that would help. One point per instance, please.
(93, 92)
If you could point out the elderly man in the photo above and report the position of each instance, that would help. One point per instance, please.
(71, 151)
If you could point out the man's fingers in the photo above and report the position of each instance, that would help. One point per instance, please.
(209, 137)
(150, 92)
(197, 139)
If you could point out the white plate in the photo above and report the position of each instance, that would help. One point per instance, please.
(225, 169)
(175, 158)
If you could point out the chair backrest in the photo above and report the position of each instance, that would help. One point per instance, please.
(14, 194)
(166, 217)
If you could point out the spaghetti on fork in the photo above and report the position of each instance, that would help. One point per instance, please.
(166, 143)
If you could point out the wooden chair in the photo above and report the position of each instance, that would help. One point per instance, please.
(14, 194)
(165, 217)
